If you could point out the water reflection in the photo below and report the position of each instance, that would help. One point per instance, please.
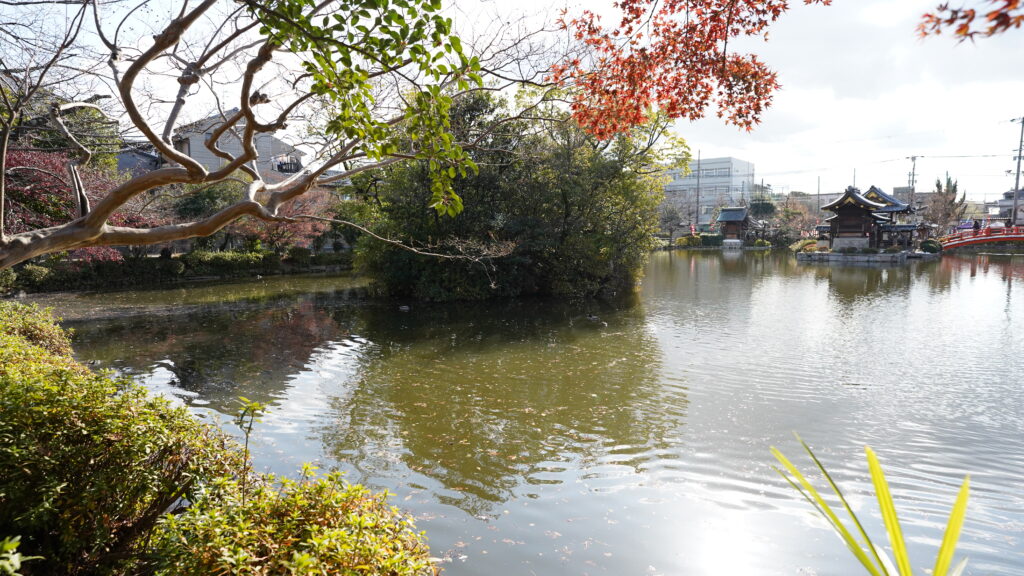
(213, 356)
(481, 404)
(624, 438)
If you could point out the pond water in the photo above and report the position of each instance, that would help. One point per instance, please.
(537, 437)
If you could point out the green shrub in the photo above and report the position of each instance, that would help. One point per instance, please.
(931, 246)
(8, 278)
(36, 326)
(761, 243)
(202, 263)
(299, 256)
(893, 250)
(90, 463)
(799, 245)
(92, 466)
(810, 248)
(711, 239)
(33, 276)
(691, 241)
(319, 526)
(270, 262)
(333, 259)
(869, 250)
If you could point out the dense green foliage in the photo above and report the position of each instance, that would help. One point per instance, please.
(8, 278)
(580, 213)
(931, 246)
(711, 239)
(322, 527)
(57, 274)
(92, 465)
(34, 326)
(691, 241)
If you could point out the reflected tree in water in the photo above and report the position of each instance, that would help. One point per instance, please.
(486, 405)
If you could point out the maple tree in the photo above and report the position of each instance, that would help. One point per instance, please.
(673, 56)
(968, 22)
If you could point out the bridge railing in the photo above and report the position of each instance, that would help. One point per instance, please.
(969, 234)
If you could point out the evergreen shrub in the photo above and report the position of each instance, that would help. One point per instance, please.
(8, 279)
(300, 256)
(711, 239)
(101, 478)
(33, 276)
(691, 241)
(931, 246)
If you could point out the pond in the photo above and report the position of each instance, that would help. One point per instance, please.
(537, 437)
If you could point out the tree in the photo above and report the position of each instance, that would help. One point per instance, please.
(673, 56)
(1001, 16)
(944, 208)
(575, 215)
(669, 219)
(762, 208)
(372, 82)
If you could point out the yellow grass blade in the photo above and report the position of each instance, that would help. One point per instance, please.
(826, 510)
(956, 522)
(892, 523)
(860, 528)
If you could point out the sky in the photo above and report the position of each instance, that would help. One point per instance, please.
(861, 92)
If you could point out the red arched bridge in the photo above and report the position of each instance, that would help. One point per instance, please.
(983, 236)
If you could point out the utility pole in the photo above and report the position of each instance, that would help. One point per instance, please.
(1016, 184)
(913, 181)
(819, 193)
(698, 190)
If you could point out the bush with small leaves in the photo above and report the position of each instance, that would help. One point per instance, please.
(318, 525)
(101, 478)
(8, 278)
(691, 241)
(36, 326)
(33, 276)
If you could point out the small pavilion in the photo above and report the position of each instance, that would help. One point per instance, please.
(868, 220)
(735, 222)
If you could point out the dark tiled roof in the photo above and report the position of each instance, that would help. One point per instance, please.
(853, 196)
(891, 204)
(733, 214)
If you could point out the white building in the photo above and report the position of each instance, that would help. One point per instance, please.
(712, 182)
(273, 154)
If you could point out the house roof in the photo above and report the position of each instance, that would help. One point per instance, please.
(853, 197)
(898, 227)
(891, 204)
(204, 124)
(732, 214)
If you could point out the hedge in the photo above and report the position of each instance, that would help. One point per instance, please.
(99, 477)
